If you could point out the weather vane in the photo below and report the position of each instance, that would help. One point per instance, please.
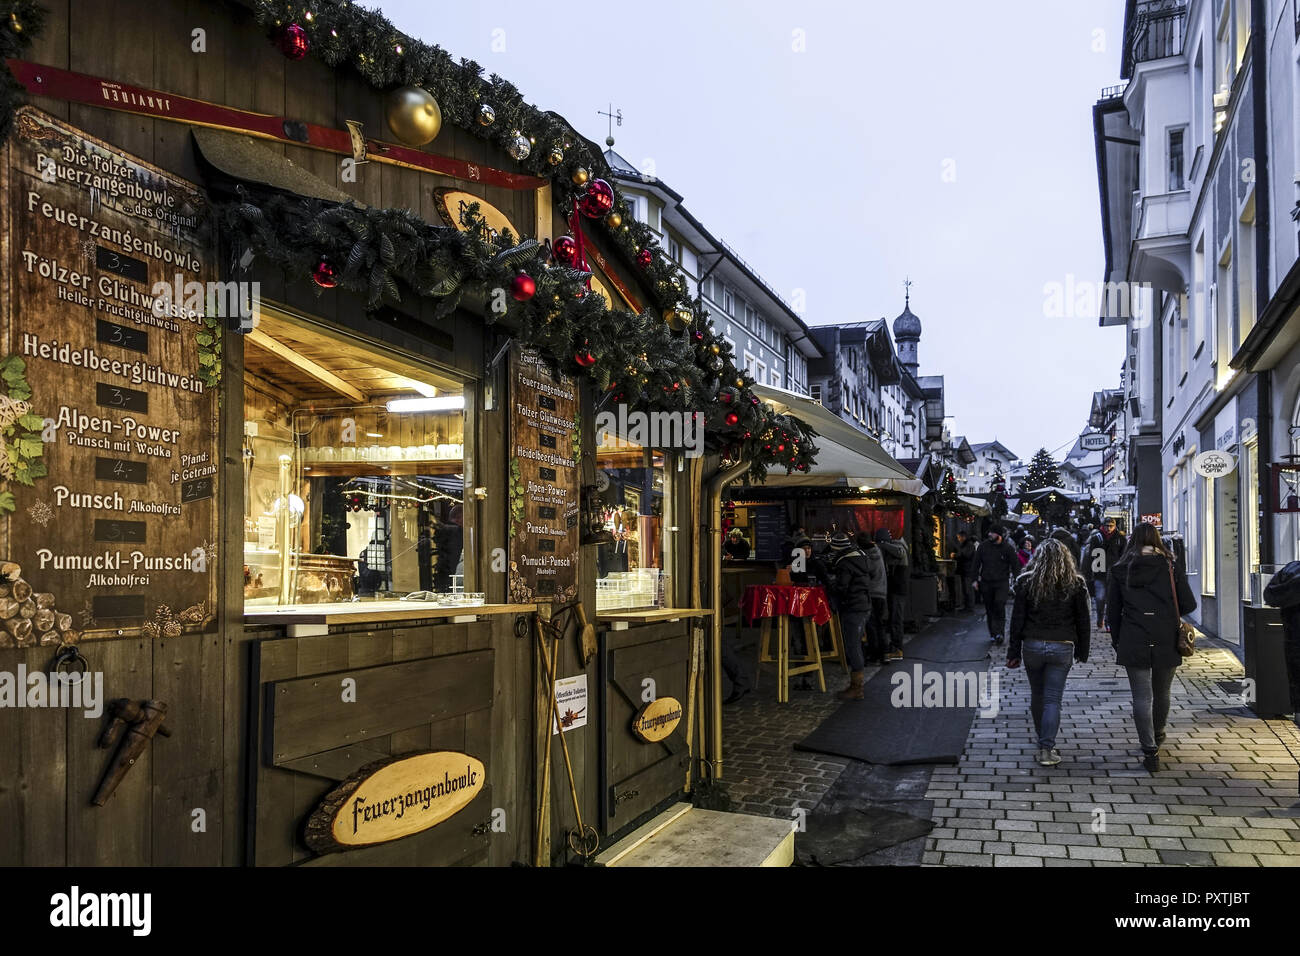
(615, 117)
(907, 291)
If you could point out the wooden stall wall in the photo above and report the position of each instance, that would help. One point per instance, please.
(420, 687)
(49, 767)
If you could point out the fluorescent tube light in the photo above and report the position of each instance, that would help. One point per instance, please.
(442, 404)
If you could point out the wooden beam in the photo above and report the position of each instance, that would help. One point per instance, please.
(303, 364)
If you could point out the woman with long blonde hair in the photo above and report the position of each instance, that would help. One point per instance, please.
(1050, 628)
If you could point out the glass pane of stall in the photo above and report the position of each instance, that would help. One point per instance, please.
(353, 474)
(633, 484)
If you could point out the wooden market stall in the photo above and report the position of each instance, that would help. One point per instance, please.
(329, 528)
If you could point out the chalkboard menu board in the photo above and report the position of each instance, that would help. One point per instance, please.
(770, 530)
(108, 399)
(544, 481)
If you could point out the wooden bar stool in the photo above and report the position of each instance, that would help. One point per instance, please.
(811, 661)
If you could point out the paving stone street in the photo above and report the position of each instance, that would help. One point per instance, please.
(1227, 795)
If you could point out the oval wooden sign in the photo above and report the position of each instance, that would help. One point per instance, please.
(657, 719)
(394, 798)
(452, 202)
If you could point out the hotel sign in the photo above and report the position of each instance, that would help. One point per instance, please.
(394, 798)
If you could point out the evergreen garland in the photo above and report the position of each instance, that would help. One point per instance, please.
(385, 254)
(20, 22)
(379, 252)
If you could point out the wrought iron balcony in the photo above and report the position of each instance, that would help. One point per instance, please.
(1157, 31)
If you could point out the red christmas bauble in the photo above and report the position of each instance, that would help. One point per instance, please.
(644, 258)
(293, 42)
(732, 418)
(565, 250)
(324, 275)
(584, 357)
(523, 287)
(598, 201)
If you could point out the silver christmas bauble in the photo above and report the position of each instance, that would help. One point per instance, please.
(519, 146)
(486, 115)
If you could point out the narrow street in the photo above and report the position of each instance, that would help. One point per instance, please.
(1227, 796)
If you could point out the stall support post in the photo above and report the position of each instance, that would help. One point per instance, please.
(714, 503)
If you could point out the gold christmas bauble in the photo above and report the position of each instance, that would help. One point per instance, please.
(613, 220)
(413, 115)
(580, 176)
(556, 156)
(677, 319)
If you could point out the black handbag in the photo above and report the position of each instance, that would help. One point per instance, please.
(1186, 639)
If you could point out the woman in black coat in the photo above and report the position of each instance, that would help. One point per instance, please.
(1140, 611)
(1051, 627)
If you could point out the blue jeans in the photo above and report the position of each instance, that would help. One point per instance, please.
(853, 624)
(1099, 597)
(1047, 663)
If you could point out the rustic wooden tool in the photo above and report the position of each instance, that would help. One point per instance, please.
(697, 640)
(586, 637)
(581, 846)
(147, 722)
(124, 712)
(544, 798)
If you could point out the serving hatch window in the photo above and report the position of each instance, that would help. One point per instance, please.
(354, 465)
(634, 488)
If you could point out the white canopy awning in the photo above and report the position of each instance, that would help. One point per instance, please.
(845, 456)
(978, 506)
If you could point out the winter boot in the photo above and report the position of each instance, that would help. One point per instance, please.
(854, 690)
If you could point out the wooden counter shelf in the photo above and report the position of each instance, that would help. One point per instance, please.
(619, 619)
(307, 620)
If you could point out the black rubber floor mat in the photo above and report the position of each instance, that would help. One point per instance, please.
(846, 836)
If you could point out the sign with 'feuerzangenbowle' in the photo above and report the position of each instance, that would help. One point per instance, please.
(394, 798)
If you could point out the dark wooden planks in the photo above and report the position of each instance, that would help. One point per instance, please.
(188, 771)
(120, 833)
(309, 714)
(33, 773)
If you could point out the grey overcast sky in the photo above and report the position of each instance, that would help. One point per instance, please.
(840, 147)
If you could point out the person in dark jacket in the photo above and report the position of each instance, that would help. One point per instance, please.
(964, 556)
(1050, 627)
(878, 586)
(1100, 552)
(736, 548)
(1143, 590)
(898, 573)
(850, 580)
(994, 568)
(1283, 592)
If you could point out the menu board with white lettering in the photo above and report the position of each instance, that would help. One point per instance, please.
(109, 375)
(545, 452)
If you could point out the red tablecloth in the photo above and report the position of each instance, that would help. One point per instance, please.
(770, 600)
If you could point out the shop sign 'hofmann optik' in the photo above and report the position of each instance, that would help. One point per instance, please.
(108, 471)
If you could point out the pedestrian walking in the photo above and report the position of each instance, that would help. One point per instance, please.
(1100, 552)
(994, 569)
(1146, 594)
(878, 587)
(1050, 629)
(963, 555)
(850, 585)
(899, 582)
(1026, 552)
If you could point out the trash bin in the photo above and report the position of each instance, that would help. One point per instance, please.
(1264, 648)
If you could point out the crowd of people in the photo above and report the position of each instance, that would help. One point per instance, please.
(1133, 587)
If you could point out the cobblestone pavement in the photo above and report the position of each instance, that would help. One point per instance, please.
(1227, 797)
